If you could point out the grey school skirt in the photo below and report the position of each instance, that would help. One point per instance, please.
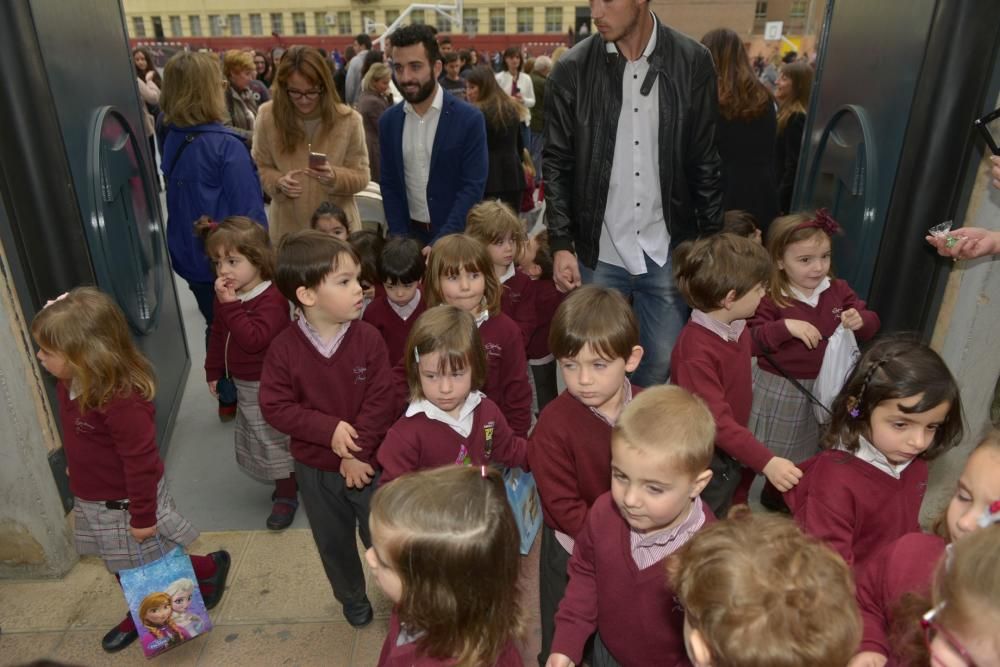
(99, 531)
(782, 417)
(260, 450)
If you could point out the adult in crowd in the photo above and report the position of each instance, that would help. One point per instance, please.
(745, 132)
(504, 115)
(971, 242)
(263, 67)
(513, 81)
(631, 166)
(539, 74)
(149, 82)
(464, 59)
(206, 165)
(340, 76)
(792, 92)
(277, 53)
(145, 68)
(352, 85)
(558, 53)
(374, 100)
(434, 158)
(305, 119)
(239, 70)
(451, 78)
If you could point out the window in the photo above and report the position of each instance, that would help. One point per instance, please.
(443, 23)
(158, 28)
(525, 19)
(798, 9)
(760, 12)
(256, 25)
(470, 21)
(417, 17)
(367, 20)
(391, 15)
(277, 22)
(319, 18)
(299, 23)
(343, 23)
(235, 25)
(138, 26)
(498, 22)
(553, 19)
(194, 22)
(215, 24)
(176, 28)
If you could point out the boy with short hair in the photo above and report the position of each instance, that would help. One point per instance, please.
(661, 447)
(326, 382)
(759, 592)
(450, 79)
(400, 268)
(595, 340)
(722, 278)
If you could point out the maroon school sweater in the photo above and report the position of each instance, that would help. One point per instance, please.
(517, 301)
(570, 456)
(547, 299)
(111, 452)
(419, 442)
(393, 328)
(904, 566)
(635, 611)
(791, 353)
(251, 327)
(507, 371)
(306, 395)
(408, 656)
(719, 372)
(855, 507)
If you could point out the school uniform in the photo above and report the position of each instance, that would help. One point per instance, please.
(618, 587)
(540, 359)
(241, 332)
(858, 503)
(401, 649)
(782, 416)
(427, 437)
(394, 322)
(507, 369)
(517, 300)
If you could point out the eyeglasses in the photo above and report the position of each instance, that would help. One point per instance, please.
(305, 94)
(933, 630)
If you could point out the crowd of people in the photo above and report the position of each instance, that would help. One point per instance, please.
(386, 383)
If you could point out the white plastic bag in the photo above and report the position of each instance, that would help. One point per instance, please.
(841, 354)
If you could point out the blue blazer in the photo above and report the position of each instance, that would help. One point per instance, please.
(459, 165)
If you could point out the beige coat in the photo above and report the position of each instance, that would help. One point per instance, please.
(345, 150)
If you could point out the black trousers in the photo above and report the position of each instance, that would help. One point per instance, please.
(552, 580)
(546, 388)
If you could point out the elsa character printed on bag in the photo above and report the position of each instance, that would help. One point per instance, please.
(181, 593)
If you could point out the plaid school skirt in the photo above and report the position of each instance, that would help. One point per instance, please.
(99, 531)
(782, 417)
(261, 451)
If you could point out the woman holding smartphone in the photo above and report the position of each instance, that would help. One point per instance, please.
(308, 145)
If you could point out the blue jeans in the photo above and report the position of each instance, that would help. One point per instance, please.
(659, 308)
(535, 148)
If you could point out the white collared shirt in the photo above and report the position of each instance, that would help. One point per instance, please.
(508, 274)
(728, 332)
(418, 144)
(634, 223)
(482, 317)
(405, 310)
(811, 300)
(869, 454)
(255, 292)
(462, 425)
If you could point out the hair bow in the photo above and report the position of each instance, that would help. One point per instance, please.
(213, 224)
(991, 515)
(58, 298)
(824, 221)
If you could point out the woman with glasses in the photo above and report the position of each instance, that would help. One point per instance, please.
(309, 146)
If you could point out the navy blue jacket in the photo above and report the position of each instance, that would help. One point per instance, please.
(459, 164)
(215, 177)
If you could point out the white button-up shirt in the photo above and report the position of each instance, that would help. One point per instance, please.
(634, 225)
(418, 144)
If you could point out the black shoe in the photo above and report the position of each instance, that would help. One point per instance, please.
(359, 614)
(281, 520)
(217, 580)
(116, 640)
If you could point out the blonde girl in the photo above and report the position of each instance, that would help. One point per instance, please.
(181, 592)
(249, 313)
(105, 389)
(448, 420)
(460, 273)
(803, 307)
(495, 225)
(445, 551)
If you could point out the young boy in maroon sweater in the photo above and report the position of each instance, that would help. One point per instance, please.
(327, 383)
(661, 447)
(595, 339)
(400, 268)
(722, 278)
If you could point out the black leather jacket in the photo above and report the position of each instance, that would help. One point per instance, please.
(583, 100)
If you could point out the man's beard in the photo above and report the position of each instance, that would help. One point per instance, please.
(421, 94)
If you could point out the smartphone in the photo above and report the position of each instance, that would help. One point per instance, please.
(989, 127)
(316, 160)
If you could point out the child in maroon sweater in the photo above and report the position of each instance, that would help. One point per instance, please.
(595, 338)
(327, 383)
(899, 408)
(105, 390)
(449, 421)
(755, 591)
(721, 277)
(460, 273)
(249, 313)
(400, 268)
(445, 551)
(497, 227)
(537, 263)
(660, 451)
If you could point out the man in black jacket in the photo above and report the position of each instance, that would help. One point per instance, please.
(631, 166)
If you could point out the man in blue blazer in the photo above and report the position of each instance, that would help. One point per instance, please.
(433, 145)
